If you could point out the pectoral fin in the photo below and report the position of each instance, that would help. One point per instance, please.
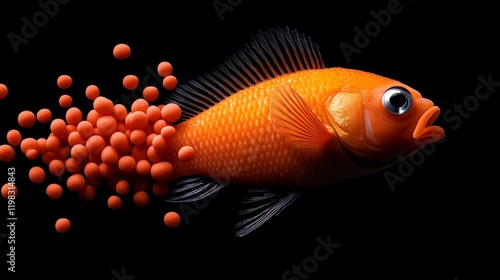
(295, 121)
(259, 206)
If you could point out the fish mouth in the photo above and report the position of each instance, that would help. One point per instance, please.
(424, 130)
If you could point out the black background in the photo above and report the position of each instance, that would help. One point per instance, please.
(437, 224)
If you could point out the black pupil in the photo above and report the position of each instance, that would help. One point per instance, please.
(398, 100)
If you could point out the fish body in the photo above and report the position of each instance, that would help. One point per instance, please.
(273, 118)
(237, 139)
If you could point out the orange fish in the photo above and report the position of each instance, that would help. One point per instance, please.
(273, 118)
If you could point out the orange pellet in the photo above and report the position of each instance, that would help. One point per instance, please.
(107, 125)
(122, 187)
(42, 145)
(91, 170)
(130, 82)
(57, 167)
(7, 153)
(169, 82)
(172, 219)
(63, 152)
(88, 193)
(64, 81)
(150, 93)
(139, 104)
(69, 128)
(110, 155)
(44, 115)
(138, 120)
(76, 138)
(186, 153)
(85, 129)
(154, 155)
(72, 165)
(143, 167)
(159, 144)
(168, 132)
(141, 198)
(65, 101)
(154, 113)
(58, 127)
(149, 138)
(62, 225)
(158, 125)
(9, 189)
(119, 141)
(114, 202)
(79, 152)
(53, 143)
(32, 154)
(36, 174)
(171, 112)
(103, 106)
(26, 119)
(93, 116)
(48, 157)
(138, 137)
(4, 91)
(121, 51)
(14, 137)
(92, 92)
(120, 112)
(126, 164)
(76, 182)
(161, 171)
(165, 68)
(54, 191)
(74, 116)
(28, 143)
(160, 188)
(95, 144)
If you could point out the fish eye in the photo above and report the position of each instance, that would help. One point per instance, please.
(397, 100)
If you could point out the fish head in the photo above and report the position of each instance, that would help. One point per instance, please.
(380, 120)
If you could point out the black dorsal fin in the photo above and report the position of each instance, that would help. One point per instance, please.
(268, 54)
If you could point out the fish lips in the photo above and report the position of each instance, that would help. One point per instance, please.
(424, 130)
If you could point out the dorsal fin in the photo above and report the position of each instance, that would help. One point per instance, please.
(268, 54)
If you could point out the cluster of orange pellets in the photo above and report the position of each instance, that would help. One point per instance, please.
(125, 149)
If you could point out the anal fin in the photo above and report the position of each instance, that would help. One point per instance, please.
(259, 206)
